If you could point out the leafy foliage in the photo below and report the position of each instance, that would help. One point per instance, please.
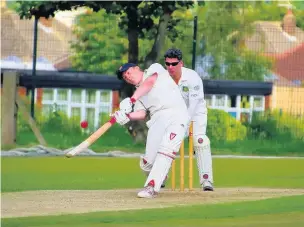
(223, 127)
(136, 17)
(223, 29)
(277, 125)
(275, 11)
(101, 46)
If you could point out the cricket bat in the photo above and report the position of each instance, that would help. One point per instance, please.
(85, 144)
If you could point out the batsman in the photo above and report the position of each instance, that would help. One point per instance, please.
(157, 95)
(191, 88)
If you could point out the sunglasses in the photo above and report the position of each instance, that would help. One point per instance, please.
(171, 63)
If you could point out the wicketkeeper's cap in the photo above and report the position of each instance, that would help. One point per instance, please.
(124, 68)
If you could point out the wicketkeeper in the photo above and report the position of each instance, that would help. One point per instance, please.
(192, 90)
(158, 95)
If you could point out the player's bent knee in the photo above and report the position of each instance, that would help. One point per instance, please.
(145, 165)
(201, 140)
(166, 151)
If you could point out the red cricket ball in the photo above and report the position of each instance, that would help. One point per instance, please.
(84, 124)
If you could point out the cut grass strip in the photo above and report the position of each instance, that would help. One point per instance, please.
(270, 212)
(56, 173)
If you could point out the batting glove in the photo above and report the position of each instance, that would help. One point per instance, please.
(121, 117)
(126, 105)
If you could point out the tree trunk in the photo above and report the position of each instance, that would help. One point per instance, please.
(133, 32)
(137, 129)
(159, 41)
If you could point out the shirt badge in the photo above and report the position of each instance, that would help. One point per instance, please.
(185, 89)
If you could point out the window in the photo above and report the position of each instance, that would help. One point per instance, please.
(76, 95)
(232, 101)
(208, 99)
(75, 111)
(257, 102)
(90, 113)
(220, 100)
(91, 96)
(47, 94)
(62, 94)
(245, 101)
(105, 96)
(61, 108)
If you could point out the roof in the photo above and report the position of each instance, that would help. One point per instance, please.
(17, 38)
(269, 38)
(286, 51)
(290, 64)
(56, 79)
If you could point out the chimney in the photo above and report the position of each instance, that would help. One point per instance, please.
(289, 23)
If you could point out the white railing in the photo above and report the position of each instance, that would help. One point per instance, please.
(235, 107)
(90, 104)
(87, 104)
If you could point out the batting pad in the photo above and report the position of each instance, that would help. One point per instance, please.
(159, 170)
(203, 158)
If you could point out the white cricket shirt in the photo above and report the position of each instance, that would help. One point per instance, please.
(191, 88)
(164, 99)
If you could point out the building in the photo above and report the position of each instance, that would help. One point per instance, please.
(53, 49)
(283, 42)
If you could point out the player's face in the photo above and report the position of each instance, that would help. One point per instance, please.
(133, 75)
(174, 66)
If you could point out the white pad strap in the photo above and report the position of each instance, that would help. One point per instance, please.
(159, 170)
(203, 157)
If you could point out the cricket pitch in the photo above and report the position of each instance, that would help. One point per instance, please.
(58, 202)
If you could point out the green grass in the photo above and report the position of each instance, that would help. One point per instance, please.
(278, 212)
(20, 174)
(62, 132)
(261, 147)
(117, 138)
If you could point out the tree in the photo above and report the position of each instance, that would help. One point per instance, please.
(137, 19)
(224, 27)
(136, 16)
(299, 12)
(100, 45)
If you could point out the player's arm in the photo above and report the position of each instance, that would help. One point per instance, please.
(196, 94)
(192, 106)
(122, 118)
(137, 115)
(145, 87)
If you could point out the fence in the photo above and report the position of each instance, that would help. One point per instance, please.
(84, 103)
(283, 46)
(288, 99)
(238, 106)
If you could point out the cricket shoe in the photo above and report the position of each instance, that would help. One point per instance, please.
(207, 186)
(148, 192)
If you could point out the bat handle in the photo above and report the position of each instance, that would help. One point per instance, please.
(112, 120)
(133, 100)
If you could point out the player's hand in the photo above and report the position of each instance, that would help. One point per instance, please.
(126, 105)
(121, 117)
